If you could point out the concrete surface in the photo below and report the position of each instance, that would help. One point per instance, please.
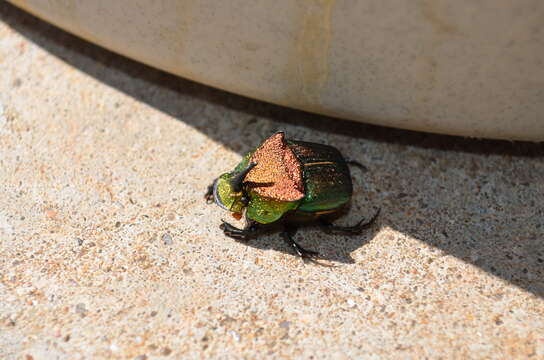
(107, 249)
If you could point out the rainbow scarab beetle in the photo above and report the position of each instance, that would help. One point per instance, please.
(286, 180)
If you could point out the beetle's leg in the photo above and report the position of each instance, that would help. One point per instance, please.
(251, 229)
(209, 194)
(287, 235)
(330, 228)
(356, 163)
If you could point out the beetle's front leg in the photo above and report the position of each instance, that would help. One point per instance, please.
(209, 193)
(251, 229)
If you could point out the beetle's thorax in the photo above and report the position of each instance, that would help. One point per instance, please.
(278, 174)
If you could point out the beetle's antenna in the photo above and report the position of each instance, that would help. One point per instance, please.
(237, 179)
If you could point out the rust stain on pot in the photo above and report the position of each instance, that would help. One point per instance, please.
(177, 32)
(313, 42)
(443, 30)
(432, 15)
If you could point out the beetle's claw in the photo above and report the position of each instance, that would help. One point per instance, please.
(299, 250)
(307, 254)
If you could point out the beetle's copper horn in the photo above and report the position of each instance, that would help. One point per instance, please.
(237, 179)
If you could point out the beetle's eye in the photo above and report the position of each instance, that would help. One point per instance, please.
(244, 200)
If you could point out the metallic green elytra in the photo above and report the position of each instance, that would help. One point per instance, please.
(284, 177)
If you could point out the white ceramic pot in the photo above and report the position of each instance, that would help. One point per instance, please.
(465, 67)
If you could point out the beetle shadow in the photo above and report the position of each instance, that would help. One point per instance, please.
(330, 247)
(478, 200)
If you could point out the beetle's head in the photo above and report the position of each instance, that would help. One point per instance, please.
(228, 190)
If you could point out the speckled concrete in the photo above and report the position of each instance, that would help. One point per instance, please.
(108, 250)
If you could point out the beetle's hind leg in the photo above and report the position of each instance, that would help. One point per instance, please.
(357, 164)
(287, 235)
(251, 229)
(356, 229)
